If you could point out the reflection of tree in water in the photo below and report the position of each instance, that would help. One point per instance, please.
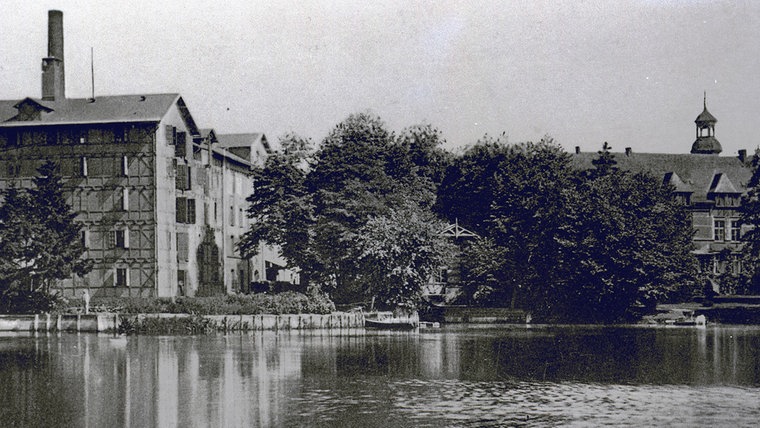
(36, 393)
(596, 355)
(380, 356)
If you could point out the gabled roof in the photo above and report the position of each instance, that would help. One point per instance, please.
(695, 171)
(104, 109)
(209, 133)
(244, 140)
(674, 180)
(721, 184)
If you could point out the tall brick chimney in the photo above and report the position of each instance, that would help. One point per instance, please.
(53, 77)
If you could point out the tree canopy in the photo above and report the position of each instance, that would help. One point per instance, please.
(355, 215)
(39, 239)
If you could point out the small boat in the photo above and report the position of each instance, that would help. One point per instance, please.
(391, 323)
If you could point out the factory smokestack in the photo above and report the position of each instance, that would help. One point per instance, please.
(53, 76)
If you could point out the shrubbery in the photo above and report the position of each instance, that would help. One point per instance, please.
(253, 304)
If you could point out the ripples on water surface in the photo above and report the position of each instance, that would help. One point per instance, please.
(506, 376)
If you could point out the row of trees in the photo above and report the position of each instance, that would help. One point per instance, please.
(39, 243)
(565, 243)
(362, 214)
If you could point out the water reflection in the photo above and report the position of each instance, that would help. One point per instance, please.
(472, 377)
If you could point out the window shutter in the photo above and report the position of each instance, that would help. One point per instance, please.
(189, 180)
(126, 277)
(115, 273)
(181, 179)
(112, 238)
(171, 134)
(180, 149)
(85, 238)
(125, 199)
(125, 166)
(183, 247)
(181, 210)
(126, 238)
(191, 211)
(84, 166)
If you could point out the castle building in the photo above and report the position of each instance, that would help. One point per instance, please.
(709, 185)
(161, 202)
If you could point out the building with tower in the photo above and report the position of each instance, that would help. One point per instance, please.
(709, 185)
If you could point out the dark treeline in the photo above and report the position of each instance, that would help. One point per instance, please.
(361, 215)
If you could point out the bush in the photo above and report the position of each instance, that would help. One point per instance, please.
(28, 302)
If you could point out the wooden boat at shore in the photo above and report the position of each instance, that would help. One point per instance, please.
(391, 324)
(391, 321)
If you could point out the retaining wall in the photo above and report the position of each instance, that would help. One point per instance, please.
(108, 322)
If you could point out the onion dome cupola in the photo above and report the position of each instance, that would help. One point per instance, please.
(706, 142)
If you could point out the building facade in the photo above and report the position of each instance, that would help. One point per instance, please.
(162, 202)
(709, 185)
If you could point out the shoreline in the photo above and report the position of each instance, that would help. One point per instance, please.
(113, 322)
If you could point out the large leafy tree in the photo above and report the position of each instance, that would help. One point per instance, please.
(39, 238)
(334, 218)
(566, 244)
(629, 243)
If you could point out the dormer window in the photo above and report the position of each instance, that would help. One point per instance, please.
(29, 110)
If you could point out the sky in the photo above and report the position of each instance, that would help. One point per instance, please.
(632, 73)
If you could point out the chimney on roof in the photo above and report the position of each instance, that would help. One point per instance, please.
(743, 155)
(628, 151)
(53, 80)
(577, 150)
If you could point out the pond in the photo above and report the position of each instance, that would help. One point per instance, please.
(455, 376)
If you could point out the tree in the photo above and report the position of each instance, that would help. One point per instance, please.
(39, 238)
(329, 217)
(399, 253)
(750, 220)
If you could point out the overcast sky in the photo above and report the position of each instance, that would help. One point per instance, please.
(584, 72)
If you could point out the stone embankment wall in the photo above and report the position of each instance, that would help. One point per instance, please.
(107, 322)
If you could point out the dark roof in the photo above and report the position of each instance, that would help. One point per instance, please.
(104, 109)
(240, 140)
(705, 117)
(697, 173)
(706, 145)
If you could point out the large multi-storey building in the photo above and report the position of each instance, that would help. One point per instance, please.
(162, 202)
(711, 187)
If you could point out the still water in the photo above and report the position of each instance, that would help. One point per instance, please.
(473, 377)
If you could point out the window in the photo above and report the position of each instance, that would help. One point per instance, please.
(240, 217)
(735, 230)
(719, 230)
(232, 216)
(120, 238)
(216, 213)
(84, 236)
(121, 277)
(83, 166)
(181, 278)
(14, 168)
(185, 210)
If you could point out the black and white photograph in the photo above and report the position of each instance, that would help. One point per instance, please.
(403, 213)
